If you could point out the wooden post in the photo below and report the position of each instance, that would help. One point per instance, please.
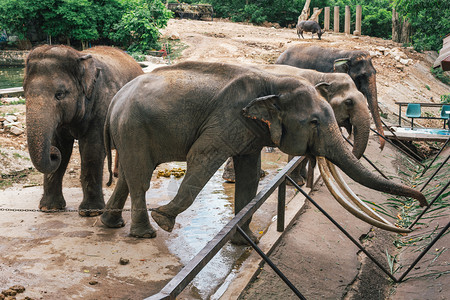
(326, 24)
(336, 19)
(305, 12)
(347, 20)
(358, 20)
(315, 9)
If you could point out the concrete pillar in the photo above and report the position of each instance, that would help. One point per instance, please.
(358, 20)
(326, 23)
(347, 20)
(336, 19)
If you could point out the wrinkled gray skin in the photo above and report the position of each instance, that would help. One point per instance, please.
(68, 93)
(349, 106)
(309, 26)
(357, 64)
(204, 113)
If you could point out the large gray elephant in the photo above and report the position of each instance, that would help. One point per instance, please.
(357, 64)
(204, 113)
(349, 107)
(67, 96)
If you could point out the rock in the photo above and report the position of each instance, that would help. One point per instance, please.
(15, 130)
(11, 118)
(400, 67)
(375, 53)
(124, 261)
(174, 36)
(18, 288)
(405, 61)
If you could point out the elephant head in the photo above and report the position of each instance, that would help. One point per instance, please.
(299, 126)
(360, 68)
(349, 105)
(58, 85)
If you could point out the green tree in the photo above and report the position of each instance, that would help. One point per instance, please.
(429, 21)
(138, 27)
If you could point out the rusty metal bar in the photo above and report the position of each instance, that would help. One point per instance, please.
(434, 159)
(411, 154)
(341, 229)
(424, 252)
(193, 267)
(365, 157)
(281, 206)
(429, 205)
(434, 174)
(271, 264)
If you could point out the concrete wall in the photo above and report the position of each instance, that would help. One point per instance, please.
(13, 58)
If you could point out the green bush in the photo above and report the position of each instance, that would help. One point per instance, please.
(445, 99)
(439, 74)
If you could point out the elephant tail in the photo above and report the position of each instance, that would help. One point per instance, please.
(107, 141)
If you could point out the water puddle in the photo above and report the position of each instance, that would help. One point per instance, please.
(210, 212)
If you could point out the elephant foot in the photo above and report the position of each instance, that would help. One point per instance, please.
(52, 204)
(112, 220)
(299, 180)
(91, 209)
(164, 220)
(143, 231)
(239, 240)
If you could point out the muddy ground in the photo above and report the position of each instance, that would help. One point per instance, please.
(222, 41)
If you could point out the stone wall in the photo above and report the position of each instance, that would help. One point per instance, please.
(13, 58)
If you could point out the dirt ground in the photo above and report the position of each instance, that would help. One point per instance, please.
(223, 41)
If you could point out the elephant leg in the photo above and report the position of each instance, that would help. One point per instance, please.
(247, 169)
(92, 154)
(200, 168)
(228, 171)
(299, 174)
(110, 218)
(53, 198)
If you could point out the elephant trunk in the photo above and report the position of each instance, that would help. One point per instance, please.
(361, 130)
(370, 92)
(343, 158)
(40, 130)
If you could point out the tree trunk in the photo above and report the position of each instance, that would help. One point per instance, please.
(315, 15)
(305, 12)
(401, 29)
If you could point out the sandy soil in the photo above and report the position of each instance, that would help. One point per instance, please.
(222, 41)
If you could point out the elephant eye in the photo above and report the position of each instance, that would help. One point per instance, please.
(60, 95)
(314, 122)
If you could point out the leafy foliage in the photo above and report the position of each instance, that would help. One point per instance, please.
(138, 27)
(429, 21)
(439, 74)
(131, 23)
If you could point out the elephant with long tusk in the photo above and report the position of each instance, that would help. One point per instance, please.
(356, 63)
(349, 107)
(204, 113)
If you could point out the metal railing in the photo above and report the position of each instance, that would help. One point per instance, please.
(187, 274)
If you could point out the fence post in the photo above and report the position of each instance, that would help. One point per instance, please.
(358, 20)
(347, 20)
(336, 19)
(326, 24)
(314, 10)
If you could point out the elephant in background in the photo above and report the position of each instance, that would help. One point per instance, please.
(204, 113)
(67, 96)
(357, 64)
(349, 107)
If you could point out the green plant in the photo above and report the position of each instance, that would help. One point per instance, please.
(138, 56)
(439, 74)
(427, 87)
(138, 28)
(445, 99)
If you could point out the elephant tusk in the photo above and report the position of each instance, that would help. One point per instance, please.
(352, 196)
(334, 190)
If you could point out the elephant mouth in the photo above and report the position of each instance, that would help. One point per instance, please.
(349, 200)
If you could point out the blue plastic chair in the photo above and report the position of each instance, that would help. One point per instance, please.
(445, 114)
(413, 111)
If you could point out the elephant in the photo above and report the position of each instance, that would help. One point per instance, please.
(67, 97)
(349, 107)
(357, 64)
(203, 113)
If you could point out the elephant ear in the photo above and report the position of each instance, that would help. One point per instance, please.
(88, 73)
(341, 65)
(267, 110)
(324, 89)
